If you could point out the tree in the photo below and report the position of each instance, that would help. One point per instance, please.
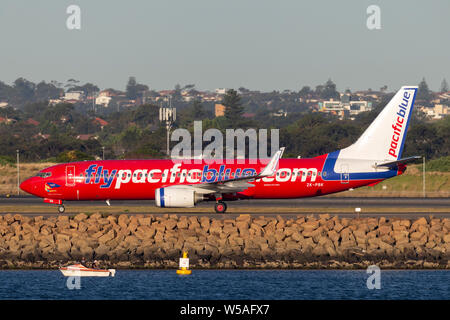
(35, 110)
(45, 91)
(130, 137)
(329, 90)
(424, 92)
(58, 111)
(198, 111)
(177, 93)
(145, 115)
(319, 90)
(304, 91)
(24, 89)
(444, 86)
(5, 91)
(71, 83)
(56, 83)
(189, 87)
(87, 88)
(134, 89)
(233, 107)
(131, 89)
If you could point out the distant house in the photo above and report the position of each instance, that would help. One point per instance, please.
(103, 100)
(128, 103)
(279, 113)
(221, 91)
(7, 120)
(366, 94)
(41, 136)
(438, 111)
(209, 97)
(249, 115)
(74, 96)
(3, 104)
(86, 137)
(445, 95)
(344, 107)
(219, 110)
(108, 93)
(32, 122)
(64, 118)
(165, 93)
(53, 102)
(187, 95)
(104, 97)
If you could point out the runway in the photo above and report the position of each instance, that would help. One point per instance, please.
(342, 206)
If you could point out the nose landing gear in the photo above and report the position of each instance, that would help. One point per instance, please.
(59, 202)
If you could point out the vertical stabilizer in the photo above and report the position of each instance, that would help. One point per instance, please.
(384, 138)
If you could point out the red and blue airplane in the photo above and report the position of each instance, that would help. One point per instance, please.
(374, 157)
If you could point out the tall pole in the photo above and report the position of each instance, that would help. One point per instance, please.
(424, 194)
(18, 173)
(167, 116)
(168, 140)
(168, 123)
(93, 101)
(103, 153)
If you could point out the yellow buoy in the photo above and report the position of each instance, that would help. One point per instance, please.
(184, 264)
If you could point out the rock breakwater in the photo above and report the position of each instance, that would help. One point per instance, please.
(247, 241)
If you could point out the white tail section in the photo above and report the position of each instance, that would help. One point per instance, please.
(384, 138)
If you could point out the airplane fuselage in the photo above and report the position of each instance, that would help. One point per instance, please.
(138, 179)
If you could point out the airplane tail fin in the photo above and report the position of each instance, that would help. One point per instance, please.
(384, 138)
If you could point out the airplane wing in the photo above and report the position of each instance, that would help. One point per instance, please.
(240, 183)
(393, 164)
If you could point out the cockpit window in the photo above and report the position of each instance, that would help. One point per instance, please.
(44, 174)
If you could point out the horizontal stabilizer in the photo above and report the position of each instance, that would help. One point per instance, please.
(392, 164)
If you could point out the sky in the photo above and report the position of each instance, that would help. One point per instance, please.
(258, 44)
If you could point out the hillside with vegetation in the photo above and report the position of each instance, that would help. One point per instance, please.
(63, 132)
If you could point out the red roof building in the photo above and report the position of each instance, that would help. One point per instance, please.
(33, 122)
(100, 121)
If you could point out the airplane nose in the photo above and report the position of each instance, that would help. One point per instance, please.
(27, 186)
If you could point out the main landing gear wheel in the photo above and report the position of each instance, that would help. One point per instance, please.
(61, 209)
(220, 207)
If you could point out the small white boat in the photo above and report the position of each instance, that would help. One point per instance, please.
(78, 270)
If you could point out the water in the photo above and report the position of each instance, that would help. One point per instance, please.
(228, 284)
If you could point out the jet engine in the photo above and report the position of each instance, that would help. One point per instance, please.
(173, 197)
